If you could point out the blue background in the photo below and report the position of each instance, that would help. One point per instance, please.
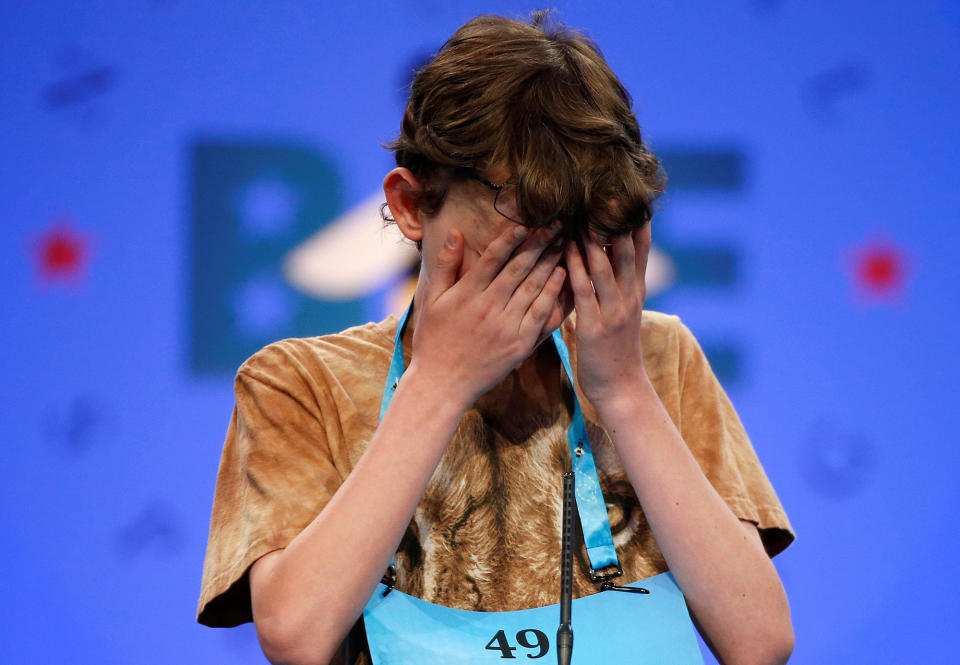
(839, 118)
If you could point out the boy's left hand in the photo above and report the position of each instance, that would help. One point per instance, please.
(609, 312)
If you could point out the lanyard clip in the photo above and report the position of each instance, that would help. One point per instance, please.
(607, 585)
(602, 578)
(389, 580)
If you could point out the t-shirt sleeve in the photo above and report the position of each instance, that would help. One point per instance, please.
(276, 474)
(713, 431)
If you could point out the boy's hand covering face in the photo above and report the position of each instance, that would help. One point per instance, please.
(609, 292)
(473, 329)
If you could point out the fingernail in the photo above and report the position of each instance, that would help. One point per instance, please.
(521, 232)
(450, 240)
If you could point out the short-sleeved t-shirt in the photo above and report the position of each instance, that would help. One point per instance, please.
(486, 533)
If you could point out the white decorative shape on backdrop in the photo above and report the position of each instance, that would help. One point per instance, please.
(661, 272)
(352, 256)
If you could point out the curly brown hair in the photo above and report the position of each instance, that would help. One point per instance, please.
(538, 99)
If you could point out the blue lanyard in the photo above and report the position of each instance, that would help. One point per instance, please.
(590, 502)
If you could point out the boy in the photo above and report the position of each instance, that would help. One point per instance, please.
(522, 176)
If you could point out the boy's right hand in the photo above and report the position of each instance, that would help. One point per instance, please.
(472, 332)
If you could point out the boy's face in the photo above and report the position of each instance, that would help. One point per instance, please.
(468, 208)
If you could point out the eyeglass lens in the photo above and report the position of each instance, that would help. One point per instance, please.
(507, 203)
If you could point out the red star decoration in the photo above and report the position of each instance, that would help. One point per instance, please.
(879, 270)
(62, 253)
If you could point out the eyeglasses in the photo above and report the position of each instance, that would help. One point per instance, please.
(506, 203)
(505, 200)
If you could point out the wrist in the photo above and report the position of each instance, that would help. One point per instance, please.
(441, 391)
(626, 400)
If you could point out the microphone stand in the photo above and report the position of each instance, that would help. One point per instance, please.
(565, 631)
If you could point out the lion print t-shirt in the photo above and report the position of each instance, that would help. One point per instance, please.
(486, 533)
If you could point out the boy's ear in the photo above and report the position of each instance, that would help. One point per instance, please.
(401, 188)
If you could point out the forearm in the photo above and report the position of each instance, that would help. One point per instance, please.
(730, 584)
(307, 596)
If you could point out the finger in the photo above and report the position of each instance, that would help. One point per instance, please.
(584, 299)
(531, 286)
(642, 240)
(444, 273)
(494, 257)
(522, 263)
(601, 273)
(624, 262)
(539, 311)
(556, 317)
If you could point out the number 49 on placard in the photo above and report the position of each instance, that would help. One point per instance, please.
(500, 643)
